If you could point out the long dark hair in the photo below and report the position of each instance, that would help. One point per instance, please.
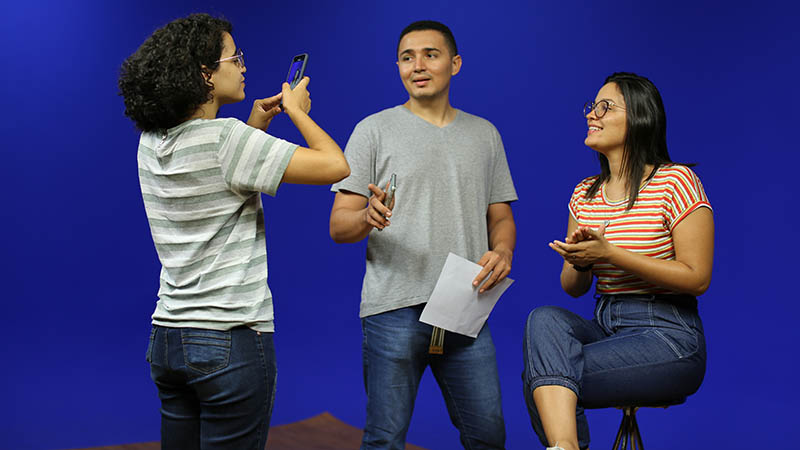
(646, 135)
(163, 82)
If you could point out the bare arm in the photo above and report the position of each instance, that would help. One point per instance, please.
(323, 161)
(689, 273)
(353, 216)
(502, 240)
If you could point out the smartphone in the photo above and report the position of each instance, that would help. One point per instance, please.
(297, 69)
(390, 192)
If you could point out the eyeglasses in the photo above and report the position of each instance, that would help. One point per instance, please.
(238, 57)
(600, 108)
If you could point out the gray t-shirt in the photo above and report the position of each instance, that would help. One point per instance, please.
(446, 179)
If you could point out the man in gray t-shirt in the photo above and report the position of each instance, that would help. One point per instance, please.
(453, 194)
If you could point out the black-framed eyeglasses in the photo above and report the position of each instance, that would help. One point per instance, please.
(238, 57)
(600, 108)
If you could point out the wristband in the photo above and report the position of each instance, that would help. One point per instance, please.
(582, 268)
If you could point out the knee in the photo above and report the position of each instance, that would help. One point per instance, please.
(544, 319)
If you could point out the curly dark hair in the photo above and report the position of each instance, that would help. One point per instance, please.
(163, 82)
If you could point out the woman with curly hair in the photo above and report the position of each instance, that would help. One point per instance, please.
(645, 230)
(211, 350)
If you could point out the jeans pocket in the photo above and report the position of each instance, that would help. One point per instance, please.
(681, 343)
(149, 354)
(206, 351)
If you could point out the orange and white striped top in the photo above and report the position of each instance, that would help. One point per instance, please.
(666, 199)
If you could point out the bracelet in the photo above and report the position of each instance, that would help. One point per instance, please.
(582, 268)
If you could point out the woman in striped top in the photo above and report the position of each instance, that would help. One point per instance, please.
(644, 228)
(211, 350)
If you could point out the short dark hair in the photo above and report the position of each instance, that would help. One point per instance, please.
(645, 137)
(163, 82)
(421, 25)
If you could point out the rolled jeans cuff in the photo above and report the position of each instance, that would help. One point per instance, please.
(553, 380)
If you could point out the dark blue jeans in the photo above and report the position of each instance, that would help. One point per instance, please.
(636, 350)
(396, 354)
(216, 387)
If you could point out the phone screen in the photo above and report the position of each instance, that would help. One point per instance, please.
(296, 70)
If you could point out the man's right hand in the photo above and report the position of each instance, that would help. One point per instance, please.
(377, 214)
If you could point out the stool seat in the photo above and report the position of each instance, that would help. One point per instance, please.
(628, 435)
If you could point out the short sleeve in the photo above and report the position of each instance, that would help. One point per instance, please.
(360, 155)
(578, 197)
(252, 160)
(573, 202)
(686, 194)
(502, 189)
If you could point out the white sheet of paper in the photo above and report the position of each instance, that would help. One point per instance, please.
(455, 305)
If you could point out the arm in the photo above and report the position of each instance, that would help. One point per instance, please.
(323, 161)
(689, 273)
(502, 240)
(353, 216)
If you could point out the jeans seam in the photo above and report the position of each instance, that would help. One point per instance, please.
(266, 377)
(680, 319)
(151, 344)
(455, 407)
(642, 365)
(166, 348)
(547, 380)
(667, 341)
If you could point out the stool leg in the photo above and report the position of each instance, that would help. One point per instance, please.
(623, 434)
(635, 436)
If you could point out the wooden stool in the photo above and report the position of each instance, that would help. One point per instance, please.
(628, 436)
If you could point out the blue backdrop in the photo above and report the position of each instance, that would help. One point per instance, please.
(81, 274)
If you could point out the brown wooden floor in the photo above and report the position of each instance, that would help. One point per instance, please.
(321, 432)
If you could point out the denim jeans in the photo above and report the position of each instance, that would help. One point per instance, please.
(637, 350)
(216, 387)
(395, 352)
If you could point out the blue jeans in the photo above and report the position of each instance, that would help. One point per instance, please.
(216, 387)
(637, 350)
(395, 351)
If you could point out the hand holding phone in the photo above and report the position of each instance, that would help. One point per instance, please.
(297, 69)
(378, 211)
(387, 201)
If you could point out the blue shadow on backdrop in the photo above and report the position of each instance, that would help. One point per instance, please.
(81, 273)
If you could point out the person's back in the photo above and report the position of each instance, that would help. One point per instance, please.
(203, 203)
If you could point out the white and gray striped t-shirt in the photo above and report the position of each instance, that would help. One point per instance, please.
(200, 184)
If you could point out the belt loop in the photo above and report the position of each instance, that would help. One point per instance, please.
(599, 306)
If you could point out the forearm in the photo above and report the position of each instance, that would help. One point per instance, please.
(575, 283)
(332, 164)
(349, 225)
(316, 137)
(670, 274)
(503, 237)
